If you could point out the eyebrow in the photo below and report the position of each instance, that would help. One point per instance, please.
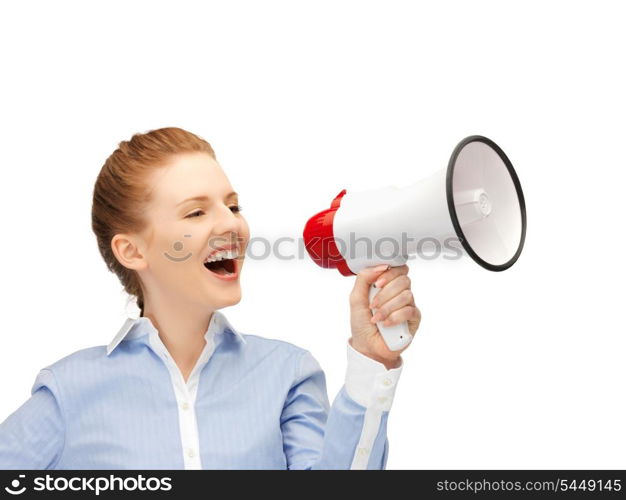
(203, 197)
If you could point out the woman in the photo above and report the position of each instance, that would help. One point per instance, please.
(180, 387)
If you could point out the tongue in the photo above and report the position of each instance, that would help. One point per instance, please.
(220, 267)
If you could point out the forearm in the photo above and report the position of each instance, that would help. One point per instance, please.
(355, 437)
(355, 434)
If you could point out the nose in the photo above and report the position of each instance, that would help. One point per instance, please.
(227, 225)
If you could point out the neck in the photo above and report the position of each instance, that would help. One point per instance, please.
(181, 329)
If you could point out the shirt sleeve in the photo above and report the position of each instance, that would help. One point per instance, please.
(32, 437)
(350, 434)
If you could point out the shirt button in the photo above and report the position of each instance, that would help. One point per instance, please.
(387, 382)
(185, 405)
(382, 399)
(191, 453)
(363, 451)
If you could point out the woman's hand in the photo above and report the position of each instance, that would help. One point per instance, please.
(394, 304)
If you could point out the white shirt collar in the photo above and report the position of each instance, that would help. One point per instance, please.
(136, 327)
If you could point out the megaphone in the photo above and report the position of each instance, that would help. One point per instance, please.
(477, 200)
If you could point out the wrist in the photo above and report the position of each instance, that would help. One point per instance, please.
(390, 362)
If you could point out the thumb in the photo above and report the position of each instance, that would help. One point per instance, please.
(364, 280)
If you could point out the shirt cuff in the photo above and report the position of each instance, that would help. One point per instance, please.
(368, 382)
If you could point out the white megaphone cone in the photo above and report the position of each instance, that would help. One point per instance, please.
(477, 200)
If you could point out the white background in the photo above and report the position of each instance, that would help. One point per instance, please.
(520, 369)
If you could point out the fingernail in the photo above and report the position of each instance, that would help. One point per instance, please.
(373, 304)
(382, 267)
(379, 282)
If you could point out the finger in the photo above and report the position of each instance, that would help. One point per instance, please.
(364, 279)
(404, 298)
(390, 290)
(392, 273)
(407, 313)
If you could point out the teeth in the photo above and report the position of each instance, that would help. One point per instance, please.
(223, 255)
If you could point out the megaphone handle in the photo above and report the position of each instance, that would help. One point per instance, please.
(395, 336)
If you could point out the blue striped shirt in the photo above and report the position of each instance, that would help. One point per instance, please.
(249, 403)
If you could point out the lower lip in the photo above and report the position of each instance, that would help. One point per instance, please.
(226, 277)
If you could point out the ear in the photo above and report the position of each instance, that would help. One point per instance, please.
(128, 251)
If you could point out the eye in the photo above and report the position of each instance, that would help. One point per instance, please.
(197, 213)
(235, 208)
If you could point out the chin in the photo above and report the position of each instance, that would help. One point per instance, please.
(228, 299)
(233, 301)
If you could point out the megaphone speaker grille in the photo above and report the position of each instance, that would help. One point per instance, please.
(486, 203)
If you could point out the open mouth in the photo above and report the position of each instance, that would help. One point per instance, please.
(226, 267)
(222, 263)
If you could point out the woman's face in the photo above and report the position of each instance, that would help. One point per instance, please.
(193, 215)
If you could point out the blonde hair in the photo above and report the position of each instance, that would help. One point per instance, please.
(121, 194)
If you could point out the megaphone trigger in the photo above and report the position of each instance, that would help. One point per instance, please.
(396, 336)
